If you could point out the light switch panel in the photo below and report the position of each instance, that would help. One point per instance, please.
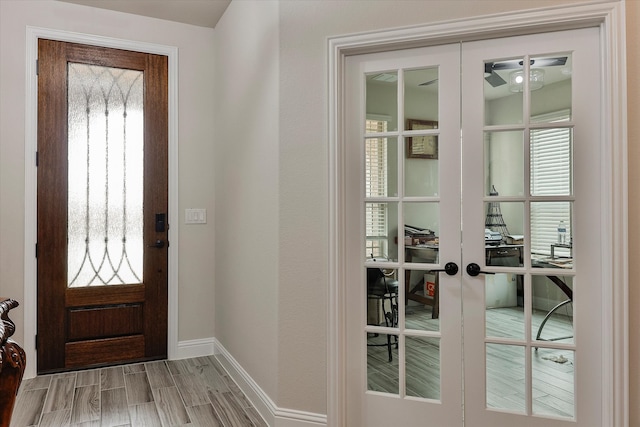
(195, 216)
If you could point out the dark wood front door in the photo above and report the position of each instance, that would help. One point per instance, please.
(102, 206)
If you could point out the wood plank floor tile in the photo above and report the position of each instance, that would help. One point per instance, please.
(158, 375)
(255, 417)
(191, 389)
(43, 381)
(89, 377)
(28, 408)
(56, 419)
(114, 409)
(111, 377)
(60, 394)
(138, 389)
(204, 415)
(135, 368)
(170, 407)
(94, 423)
(228, 410)
(110, 398)
(86, 404)
(239, 395)
(178, 367)
(213, 381)
(144, 415)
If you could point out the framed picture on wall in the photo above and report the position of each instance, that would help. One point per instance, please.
(422, 147)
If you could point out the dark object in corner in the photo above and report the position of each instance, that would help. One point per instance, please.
(12, 362)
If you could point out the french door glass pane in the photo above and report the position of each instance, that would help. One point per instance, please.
(504, 233)
(421, 171)
(381, 158)
(423, 367)
(552, 310)
(503, 100)
(551, 162)
(505, 377)
(382, 373)
(550, 83)
(504, 163)
(421, 95)
(105, 182)
(504, 302)
(382, 98)
(553, 382)
(422, 308)
(551, 235)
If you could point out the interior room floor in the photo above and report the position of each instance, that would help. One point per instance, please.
(188, 392)
(552, 369)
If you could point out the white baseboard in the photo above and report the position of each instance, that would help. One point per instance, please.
(274, 416)
(195, 348)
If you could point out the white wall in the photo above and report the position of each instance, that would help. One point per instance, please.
(196, 268)
(246, 190)
(293, 125)
(304, 28)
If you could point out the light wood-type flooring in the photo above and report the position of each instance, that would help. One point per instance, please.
(552, 373)
(189, 392)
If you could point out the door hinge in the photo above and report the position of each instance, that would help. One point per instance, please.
(36, 250)
(37, 159)
(37, 67)
(36, 341)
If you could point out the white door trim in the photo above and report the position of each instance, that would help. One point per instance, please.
(30, 178)
(610, 17)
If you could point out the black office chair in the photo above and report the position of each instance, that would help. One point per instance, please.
(383, 288)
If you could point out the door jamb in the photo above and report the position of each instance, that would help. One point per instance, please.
(610, 18)
(30, 225)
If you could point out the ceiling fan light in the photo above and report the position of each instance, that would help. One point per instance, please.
(516, 80)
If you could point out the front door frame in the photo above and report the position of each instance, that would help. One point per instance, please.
(610, 18)
(30, 226)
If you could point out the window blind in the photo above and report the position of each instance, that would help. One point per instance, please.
(376, 173)
(551, 171)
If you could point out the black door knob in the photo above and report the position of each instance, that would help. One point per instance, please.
(451, 268)
(473, 270)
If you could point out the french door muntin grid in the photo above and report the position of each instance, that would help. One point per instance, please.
(96, 94)
(400, 266)
(529, 344)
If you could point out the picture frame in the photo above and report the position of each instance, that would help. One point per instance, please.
(422, 147)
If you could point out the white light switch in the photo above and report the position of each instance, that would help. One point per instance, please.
(195, 216)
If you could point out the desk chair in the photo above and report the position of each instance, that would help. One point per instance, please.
(383, 289)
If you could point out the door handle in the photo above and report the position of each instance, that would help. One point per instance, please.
(158, 244)
(473, 270)
(451, 268)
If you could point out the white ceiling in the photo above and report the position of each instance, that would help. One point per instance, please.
(203, 13)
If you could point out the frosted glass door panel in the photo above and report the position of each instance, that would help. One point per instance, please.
(105, 176)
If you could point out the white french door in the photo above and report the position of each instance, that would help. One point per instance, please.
(472, 220)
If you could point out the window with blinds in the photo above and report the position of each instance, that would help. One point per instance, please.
(376, 217)
(551, 171)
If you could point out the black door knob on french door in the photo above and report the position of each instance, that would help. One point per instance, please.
(473, 270)
(451, 268)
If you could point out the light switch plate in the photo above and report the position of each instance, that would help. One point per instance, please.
(195, 216)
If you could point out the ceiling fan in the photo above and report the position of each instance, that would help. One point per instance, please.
(427, 83)
(495, 80)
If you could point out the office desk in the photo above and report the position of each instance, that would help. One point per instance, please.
(563, 287)
(429, 254)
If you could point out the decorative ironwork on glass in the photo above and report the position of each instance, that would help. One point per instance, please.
(105, 181)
